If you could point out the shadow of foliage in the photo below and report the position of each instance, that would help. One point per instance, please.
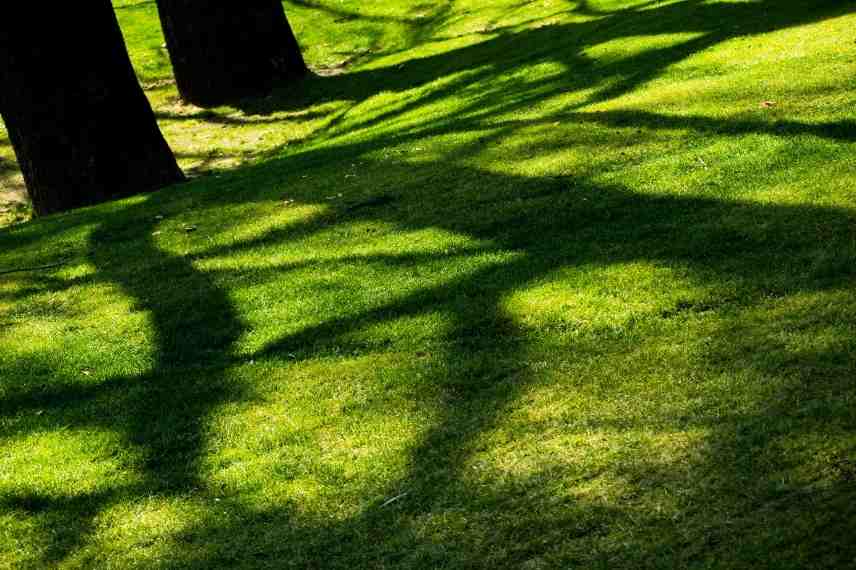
(761, 252)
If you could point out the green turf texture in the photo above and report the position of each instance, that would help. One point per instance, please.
(504, 284)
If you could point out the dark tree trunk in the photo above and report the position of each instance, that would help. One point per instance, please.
(225, 50)
(80, 124)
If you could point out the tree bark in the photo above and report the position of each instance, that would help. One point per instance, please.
(80, 124)
(226, 50)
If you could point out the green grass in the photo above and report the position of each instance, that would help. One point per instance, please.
(510, 285)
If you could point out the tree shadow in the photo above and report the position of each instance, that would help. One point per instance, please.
(478, 368)
(161, 412)
(566, 44)
(705, 235)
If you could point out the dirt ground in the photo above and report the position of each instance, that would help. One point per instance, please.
(14, 204)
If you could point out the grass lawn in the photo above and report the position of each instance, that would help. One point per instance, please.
(506, 284)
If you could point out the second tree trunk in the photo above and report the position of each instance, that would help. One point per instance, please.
(223, 51)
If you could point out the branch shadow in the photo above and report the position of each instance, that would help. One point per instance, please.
(485, 340)
(552, 224)
(549, 223)
(507, 50)
(161, 413)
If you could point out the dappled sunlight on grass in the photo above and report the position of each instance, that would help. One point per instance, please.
(507, 284)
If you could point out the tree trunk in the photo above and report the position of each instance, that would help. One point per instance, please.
(80, 124)
(223, 51)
